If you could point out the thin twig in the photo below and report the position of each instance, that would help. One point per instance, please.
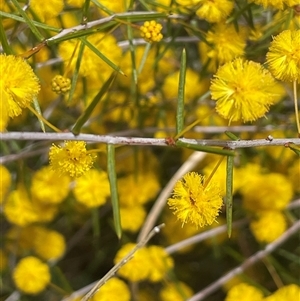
(145, 141)
(116, 267)
(247, 263)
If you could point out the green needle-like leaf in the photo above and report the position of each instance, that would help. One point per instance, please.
(38, 109)
(5, 45)
(111, 169)
(229, 189)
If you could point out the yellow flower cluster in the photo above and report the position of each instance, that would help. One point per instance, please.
(60, 84)
(196, 201)
(72, 158)
(151, 31)
(151, 263)
(31, 275)
(244, 90)
(18, 87)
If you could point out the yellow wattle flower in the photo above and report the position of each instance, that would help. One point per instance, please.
(72, 158)
(283, 57)
(244, 90)
(195, 202)
(18, 87)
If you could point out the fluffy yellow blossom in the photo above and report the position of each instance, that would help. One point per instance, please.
(195, 201)
(61, 84)
(160, 261)
(48, 10)
(72, 158)
(214, 11)
(137, 189)
(268, 226)
(5, 182)
(285, 293)
(283, 57)
(92, 189)
(114, 289)
(244, 90)
(137, 268)
(31, 275)
(18, 87)
(19, 209)
(244, 292)
(149, 263)
(132, 217)
(175, 292)
(271, 191)
(48, 188)
(43, 239)
(151, 31)
(217, 50)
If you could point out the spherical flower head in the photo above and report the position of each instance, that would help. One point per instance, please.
(217, 50)
(244, 90)
(114, 289)
(132, 217)
(92, 189)
(285, 293)
(47, 188)
(244, 292)
(195, 201)
(137, 268)
(283, 57)
(19, 209)
(72, 158)
(138, 189)
(176, 292)
(151, 31)
(43, 239)
(5, 182)
(268, 226)
(214, 11)
(60, 84)
(271, 191)
(18, 87)
(31, 275)
(161, 262)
